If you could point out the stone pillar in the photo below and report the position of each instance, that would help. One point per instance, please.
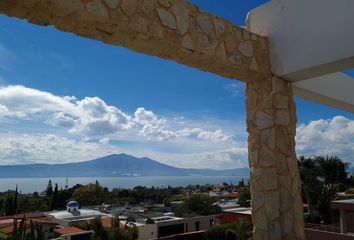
(275, 181)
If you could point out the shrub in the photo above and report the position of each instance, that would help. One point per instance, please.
(240, 230)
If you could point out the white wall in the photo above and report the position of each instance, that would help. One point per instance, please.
(308, 38)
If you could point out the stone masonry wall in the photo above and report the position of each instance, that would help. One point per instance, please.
(171, 29)
(275, 180)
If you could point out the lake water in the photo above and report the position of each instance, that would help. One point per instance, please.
(30, 185)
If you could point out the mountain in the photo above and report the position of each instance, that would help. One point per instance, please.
(116, 165)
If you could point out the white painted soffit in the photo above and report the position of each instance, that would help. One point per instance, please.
(308, 38)
(335, 90)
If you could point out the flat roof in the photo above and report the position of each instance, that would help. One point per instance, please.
(240, 210)
(347, 204)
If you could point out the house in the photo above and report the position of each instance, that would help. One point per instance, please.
(10, 225)
(73, 213)
(72, 233)
(346, 209)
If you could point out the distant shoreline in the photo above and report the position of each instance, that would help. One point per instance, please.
(37, 184)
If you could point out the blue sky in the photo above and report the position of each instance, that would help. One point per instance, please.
(160, 109)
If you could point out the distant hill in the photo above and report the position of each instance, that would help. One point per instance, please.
(116, 165)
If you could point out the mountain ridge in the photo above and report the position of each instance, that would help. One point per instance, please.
(114, 165)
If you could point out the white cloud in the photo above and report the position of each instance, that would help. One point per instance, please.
(327, 137)
(158, 128)
(91, 116)
(216, 136)
(235, 88)
(18, 148)
(95, 117)
(23, 102)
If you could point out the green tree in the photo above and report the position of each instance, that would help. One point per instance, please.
(311, 184)
(198, 204)
(240, 230)
(324, 203)
(245, 197)
(15, 209)
(49, 190)
(100, 232)
(91, 194)
(333, 169)
(54, 202)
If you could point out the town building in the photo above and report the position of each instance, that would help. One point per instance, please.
(9, 224)
(169, 225)
(72, 233)
(236, 214)
(73, 213)
(346, 209)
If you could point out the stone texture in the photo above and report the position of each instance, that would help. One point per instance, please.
(167, 18)
(269, 179)
(268, 138)
(165, 23)
(205, 23)
(96, 7)
(165, 3)
(254, 65)
(261, 221)
(246, 48)
(263, 120)
(282, 117)
(129, 6)
(280, 101)
(219, 27)
(271, 200)
(266, 158)
(182, 15)
(275, 180)
(257, 200)
(112, 3)
(187, 42)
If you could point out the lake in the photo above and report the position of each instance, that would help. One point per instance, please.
(30, 185)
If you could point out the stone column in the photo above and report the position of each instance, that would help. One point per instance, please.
(275, 181)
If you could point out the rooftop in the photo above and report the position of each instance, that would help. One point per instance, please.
(80, 214)
(240, 210)
(69, 230)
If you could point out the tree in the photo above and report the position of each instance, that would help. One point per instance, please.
(100, 231)
(54, 198)
(15, 202)
(324, 203)
(333, 169)
(245, 197)
(9, 205)
(91, 194)
(240, 230)
(198, 204)
(49, 190)
(311, 184)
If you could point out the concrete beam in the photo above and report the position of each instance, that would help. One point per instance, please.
(308, 38)
(335, 90)
(174, 30)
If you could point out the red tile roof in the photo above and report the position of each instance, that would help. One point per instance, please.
(9, 228)
(69, 230)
